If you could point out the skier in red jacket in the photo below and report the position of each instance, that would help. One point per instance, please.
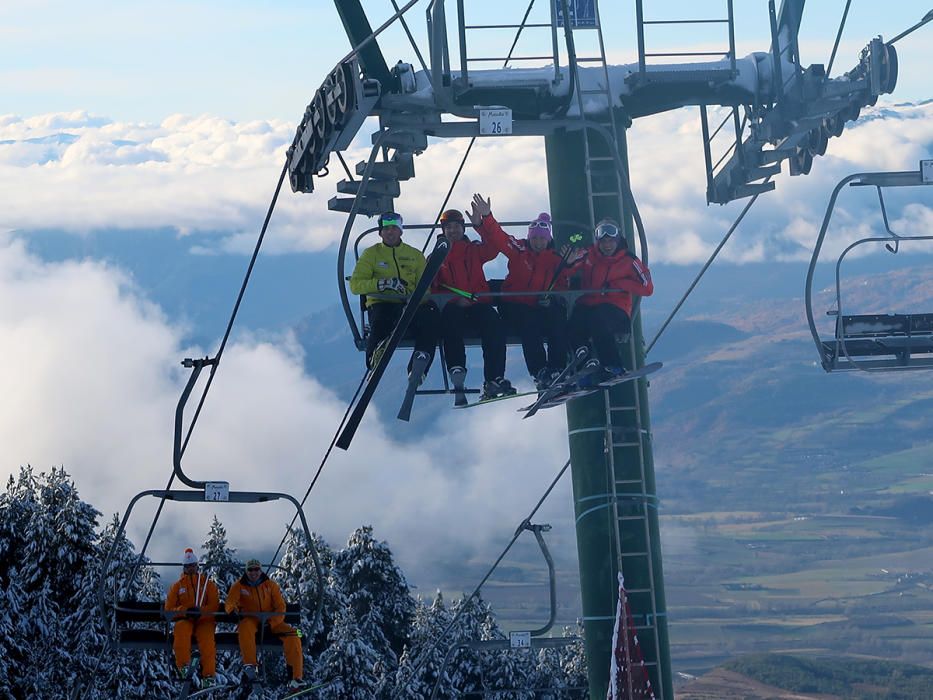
(534, 266)
(463, 271)
(602, 316)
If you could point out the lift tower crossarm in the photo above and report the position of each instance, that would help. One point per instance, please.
(372, 61)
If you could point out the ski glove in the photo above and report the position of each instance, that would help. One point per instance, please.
(193, 613)
(392, 284)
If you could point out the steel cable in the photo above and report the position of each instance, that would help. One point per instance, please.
(423, 657)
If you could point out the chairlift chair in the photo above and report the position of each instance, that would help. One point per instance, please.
(872, 342)
(134, 624)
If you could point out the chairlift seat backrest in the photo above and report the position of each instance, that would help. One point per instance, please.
(875, 325)
(157, 633)
(921, 324)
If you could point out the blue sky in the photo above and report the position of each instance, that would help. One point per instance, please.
(245, 60)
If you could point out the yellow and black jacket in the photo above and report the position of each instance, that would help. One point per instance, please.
(382, 262)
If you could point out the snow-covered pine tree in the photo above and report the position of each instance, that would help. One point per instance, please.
(349, 661)
(218, 560)
(9, 643)
(469, 669)
(428, 622)
(573, 660)
(434, 649)
(129, 673)
(17, 504)
(222, 564)
(548, 677)
(51, 559)
(298, 578)
(377, 593)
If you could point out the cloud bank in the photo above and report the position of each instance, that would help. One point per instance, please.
(91, 377)
(79, 172)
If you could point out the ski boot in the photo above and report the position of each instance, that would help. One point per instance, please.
(457, 378)
(497, 387)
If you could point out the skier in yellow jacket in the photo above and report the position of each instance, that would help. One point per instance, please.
(193, 595)
(388, 270)
(257, 593)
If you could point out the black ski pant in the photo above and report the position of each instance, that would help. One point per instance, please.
(601, 324)
(424, 327)
(535, 324)
(480, 320)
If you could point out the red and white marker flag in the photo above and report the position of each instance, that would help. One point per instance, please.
(628, 675)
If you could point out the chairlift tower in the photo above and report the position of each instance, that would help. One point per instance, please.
(776, 110)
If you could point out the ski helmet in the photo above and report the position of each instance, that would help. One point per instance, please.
(452, 215)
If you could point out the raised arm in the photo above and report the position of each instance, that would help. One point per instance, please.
(494, 239)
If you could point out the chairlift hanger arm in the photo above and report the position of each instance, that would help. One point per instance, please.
(196, 367)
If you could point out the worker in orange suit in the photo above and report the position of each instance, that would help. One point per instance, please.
(195, 597)
(257, 593)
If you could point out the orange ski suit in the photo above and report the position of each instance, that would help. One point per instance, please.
(263, 597)
(181, 596)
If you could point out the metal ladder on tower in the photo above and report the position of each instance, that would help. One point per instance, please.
(630, 502)
(602, 180)
(603, 183)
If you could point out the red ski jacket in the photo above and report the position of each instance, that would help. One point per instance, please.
(463, 268)
(622, 270)
(528, 270)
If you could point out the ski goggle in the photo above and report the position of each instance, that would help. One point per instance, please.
(387, 220)
(546, 225)
(607, 229)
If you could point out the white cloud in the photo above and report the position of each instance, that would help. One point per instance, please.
(79, 172)
(91, 377)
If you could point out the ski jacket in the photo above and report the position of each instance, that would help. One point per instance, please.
(621, 270)
(382, 262)
(463, 268)
(193, 591)
(528, 270)
(263, 596)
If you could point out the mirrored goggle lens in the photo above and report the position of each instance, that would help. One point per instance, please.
(392, 222)
(610, 230)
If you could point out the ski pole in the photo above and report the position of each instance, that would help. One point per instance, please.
(466, 295)
(562, 265)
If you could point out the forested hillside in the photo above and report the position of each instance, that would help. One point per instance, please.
(375, 639)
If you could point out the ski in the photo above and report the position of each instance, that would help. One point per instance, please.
(206, 691)
(560, 383)
(187, 683)
(560, 399)
(497, 398)
(304, 691)
(404, 413)
(438, 255)
(634, 374)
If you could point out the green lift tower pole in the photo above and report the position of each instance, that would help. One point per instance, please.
(612, 467)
